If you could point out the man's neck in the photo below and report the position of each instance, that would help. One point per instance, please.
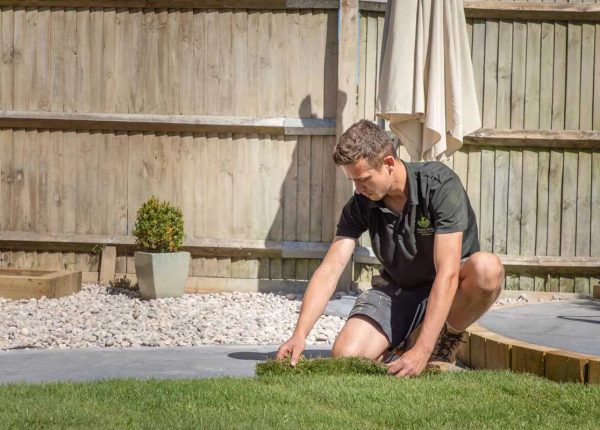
(396, 198)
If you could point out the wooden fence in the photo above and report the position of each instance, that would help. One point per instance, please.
(230, 112)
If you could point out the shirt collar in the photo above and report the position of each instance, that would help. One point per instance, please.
(412, 189)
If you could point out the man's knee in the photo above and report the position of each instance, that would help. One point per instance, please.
(487, 271)
(344, 350)
(360, 337)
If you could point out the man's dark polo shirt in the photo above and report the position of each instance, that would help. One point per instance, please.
(437, 203)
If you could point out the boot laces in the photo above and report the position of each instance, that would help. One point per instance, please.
(447, 342)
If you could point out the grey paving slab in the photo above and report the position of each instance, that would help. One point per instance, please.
(572, 325)
(141, 363)
(340, 307)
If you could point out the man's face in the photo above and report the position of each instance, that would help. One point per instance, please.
(368, 181)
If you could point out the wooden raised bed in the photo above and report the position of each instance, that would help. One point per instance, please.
(30, 283)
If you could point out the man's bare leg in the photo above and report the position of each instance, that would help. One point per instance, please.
(480, 283)
(360, 337)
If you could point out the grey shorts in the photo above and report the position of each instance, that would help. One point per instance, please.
(397, 311)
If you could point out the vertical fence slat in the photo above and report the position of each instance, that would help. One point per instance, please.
(596, 108)
(528, 212)
(55, 171)
(174, 41)
(200, 187)
(569, 214)
(490, 88)
(107, 164)
(546, 75)
(478, 53)
(82, 83)
(541, 236)
(572, 98)
(518, 75)
(42, 66)
(109, 49)
(253, 63)
(122, 61)
(120, 167)
(500, 196)
(293, 61)
(19, 55)
(69, 181)
(83, 183)
(584, 192)
(150, 61)
(371, 66)
(474, 181)
(532, 76)
(225, 72)
(515, 187)
(560, 72)
(316, 186)
(56, 51)
(70, 61)
(139, 46)
(277, 184)
(96, 80)
(199, 56)
(7, 54)
(328, 189)
(487, 200)
(289, 197)
(239, 44)
(362, 62)
(41, 142)
(303, 196)
(583, 223)
(317, 61)
(504, 74)
(555, 180)
(186, 62)
(7, 178)
(461, 166)
(587, 77)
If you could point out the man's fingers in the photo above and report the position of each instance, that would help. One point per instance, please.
(295, 356)
(282, 353)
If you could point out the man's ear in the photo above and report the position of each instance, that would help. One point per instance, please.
(389, 162)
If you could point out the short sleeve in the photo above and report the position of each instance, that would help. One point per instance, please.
(450, 207)
(353, 220)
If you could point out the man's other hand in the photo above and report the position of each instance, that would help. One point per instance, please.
(293, 346)
(411, 363)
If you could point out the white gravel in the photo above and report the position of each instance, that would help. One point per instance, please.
(103, 316)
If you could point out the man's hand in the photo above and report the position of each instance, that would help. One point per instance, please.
(293, 346)
(411, 363)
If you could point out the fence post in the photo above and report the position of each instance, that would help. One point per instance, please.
(346, 105)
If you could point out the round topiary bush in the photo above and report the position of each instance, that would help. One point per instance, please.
(159, 227)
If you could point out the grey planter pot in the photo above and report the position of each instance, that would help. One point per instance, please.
(162, 274)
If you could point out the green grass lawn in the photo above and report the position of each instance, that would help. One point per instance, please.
(462, 400)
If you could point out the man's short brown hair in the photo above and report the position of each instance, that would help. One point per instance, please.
(363, 139)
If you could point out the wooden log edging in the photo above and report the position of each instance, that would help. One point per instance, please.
(485, 349)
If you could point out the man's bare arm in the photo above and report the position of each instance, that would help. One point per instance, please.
(447, 251)
(319, 290)
(323, 282)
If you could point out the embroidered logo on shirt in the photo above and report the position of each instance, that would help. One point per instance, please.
(424, 226)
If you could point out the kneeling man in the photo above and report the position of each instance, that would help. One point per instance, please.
(435, 282)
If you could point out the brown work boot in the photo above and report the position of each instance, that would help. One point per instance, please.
(443, 357)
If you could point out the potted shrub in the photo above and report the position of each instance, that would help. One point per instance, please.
(161, 268)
